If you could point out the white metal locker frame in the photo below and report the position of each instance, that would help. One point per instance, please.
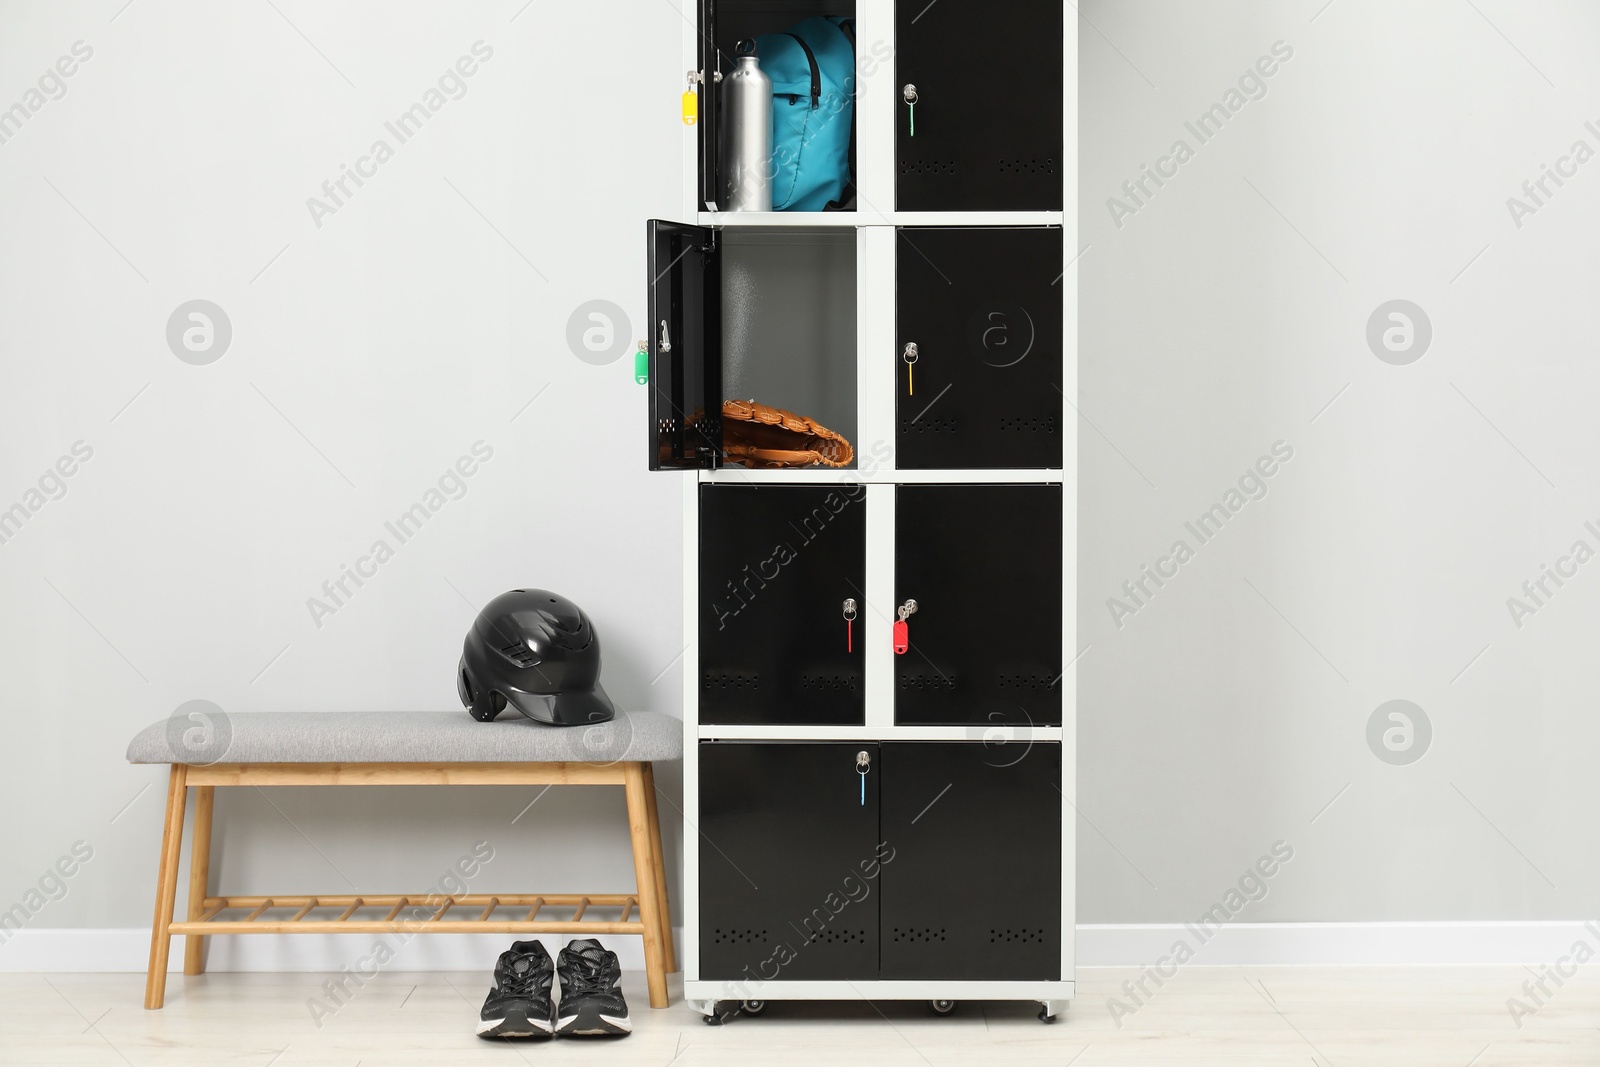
(876, 114)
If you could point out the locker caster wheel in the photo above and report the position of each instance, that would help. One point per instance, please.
(1045, 1016)
(753, 1007)
(942, 1007)
(722, 1012)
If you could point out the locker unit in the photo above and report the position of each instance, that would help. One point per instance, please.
(983, 563)
(878, 689)
(888, 882)
(981, 307)
(981, 98)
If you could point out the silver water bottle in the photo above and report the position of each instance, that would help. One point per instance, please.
(747, 95)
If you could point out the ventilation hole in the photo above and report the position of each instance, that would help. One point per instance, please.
(830, 935)
(829, 682)
(714, 679)
(927, 166)
(739, 937)
(1027, 424)
(915, 935)
(1027, 166)
(1019, 936)
(928, 680)
(1024, 680)
(520, 655)
(928, 424)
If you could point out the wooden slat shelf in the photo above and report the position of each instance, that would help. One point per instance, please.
(347, 922)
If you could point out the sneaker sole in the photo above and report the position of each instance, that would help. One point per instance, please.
(515, 1024)
(590, 1022)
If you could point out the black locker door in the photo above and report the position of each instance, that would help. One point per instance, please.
(987, 118)
(789, 861)
(685, 337)
(972, 887)
(983, 308)
(983, 563)
(710, 121)
(777, 564)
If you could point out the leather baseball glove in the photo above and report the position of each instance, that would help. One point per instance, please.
(756, 435)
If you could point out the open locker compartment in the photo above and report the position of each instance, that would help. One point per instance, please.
(747, 313)
(723, 24)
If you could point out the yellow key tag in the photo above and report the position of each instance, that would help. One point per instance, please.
(691, 99)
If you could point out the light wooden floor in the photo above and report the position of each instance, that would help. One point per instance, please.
(1449, 1017)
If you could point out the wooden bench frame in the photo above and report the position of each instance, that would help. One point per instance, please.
(650, 899)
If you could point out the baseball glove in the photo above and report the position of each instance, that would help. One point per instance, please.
(756, 435)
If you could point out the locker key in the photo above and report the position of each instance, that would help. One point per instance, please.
(909, 354)
(902, 631)
(691, 100)
(863, 765)
(850, 624)
(909, 95)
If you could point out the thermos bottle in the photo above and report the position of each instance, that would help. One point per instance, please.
(748, 165)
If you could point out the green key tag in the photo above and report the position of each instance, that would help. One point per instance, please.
(641, 365)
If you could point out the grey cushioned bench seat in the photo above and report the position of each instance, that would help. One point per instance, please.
(407, 737)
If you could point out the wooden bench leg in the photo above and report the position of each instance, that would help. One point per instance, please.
(655, 965)
(659, 861)
(155, 986)
(194, 945)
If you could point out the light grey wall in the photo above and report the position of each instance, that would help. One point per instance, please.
(367, 355)
(1229, 312)
(374, 350)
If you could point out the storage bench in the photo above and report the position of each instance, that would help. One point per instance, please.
(405, 748)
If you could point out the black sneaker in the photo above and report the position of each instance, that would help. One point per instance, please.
(591, 1003)
(519, 1003)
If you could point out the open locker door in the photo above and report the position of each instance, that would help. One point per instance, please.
(710, 116)
(685, 323)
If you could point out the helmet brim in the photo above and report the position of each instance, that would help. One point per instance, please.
(582, 708)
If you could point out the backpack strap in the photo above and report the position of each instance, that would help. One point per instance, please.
(816, 71)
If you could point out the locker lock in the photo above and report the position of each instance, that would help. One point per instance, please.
(863, 761)
(902, 629)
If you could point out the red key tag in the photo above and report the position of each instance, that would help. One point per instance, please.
(902, 631)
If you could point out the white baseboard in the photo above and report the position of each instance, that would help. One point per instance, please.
(1109, 945)
(1336, 944)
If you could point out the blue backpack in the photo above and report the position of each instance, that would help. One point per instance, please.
(812, 68)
